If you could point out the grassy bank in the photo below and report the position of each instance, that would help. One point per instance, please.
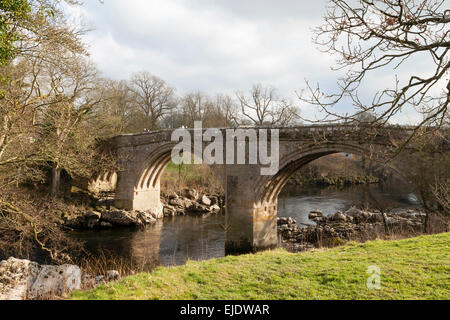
(416, 268)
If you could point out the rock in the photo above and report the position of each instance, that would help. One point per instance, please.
(92, 219)
(145, 218)
(156, 213)
(112, 275)
(173, 196)
(169, 211)
(215, 208)
(56, 281)
(123, 218)
(105, 225)
(16, 278)
(88, 220)
(23, 279)
(198, 208)
(286, 221)
(214, 200)
(119, 218)
(375, 217)
(100, 280)
(353, 212)
(313, 215)
(92, 215)
(191, 194)
(87, 281)
(206, 201)
(181, 202)
(339, 217)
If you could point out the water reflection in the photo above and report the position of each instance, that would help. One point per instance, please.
(169, 242)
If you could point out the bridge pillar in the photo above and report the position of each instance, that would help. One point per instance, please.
(130, 198)
(251, 225)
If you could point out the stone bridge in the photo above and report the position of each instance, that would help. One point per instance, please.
(251, 198)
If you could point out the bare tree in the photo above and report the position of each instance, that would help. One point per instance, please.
(153, 98)
(264, 107)
(369, 35)
(115, 112)
(218, 111)
(193, 107)
(228, 108)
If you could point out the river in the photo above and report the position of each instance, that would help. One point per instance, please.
(174, 240)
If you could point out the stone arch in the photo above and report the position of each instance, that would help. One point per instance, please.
(143, 185)
(270, 187)
(105, 182)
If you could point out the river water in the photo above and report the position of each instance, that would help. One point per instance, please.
(174, 240)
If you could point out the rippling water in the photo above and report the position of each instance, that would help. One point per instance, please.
(174, 240)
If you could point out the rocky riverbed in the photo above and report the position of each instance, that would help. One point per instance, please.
(105, 216)
(354, 224)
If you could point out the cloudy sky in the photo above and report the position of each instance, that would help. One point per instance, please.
(212, 45)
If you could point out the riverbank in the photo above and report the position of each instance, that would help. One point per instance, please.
(102, 214)
(357, 225)
(415, 268)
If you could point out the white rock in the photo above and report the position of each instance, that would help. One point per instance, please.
(215, 208)
(23, 279)
(55, 281)
(112, 275)
(16, 277)
(206, 201)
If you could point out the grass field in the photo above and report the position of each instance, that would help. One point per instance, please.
(416, 268)
(176, 178)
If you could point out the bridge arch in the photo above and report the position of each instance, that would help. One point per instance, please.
(143, 183)
(269, 188)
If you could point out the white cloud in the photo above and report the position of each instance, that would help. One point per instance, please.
(210, 45)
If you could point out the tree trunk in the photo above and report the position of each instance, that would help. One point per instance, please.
(56, 180)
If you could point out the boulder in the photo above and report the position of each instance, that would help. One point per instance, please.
(23, 279)
(105, 225)
(92, 219)
(191, 194)
(215, 208)
(156, 213)
(100, 280)
(145, 218)
(88, 220)
(206, 201)
(173, 196)
(16, 278)
(112, 275)
(339, 217)
(76, 223)
(169, 211)
(353, 212)
(92, 215)
(214, 200)
(314, 215)
(119, 218)
(286, 221)
(198, 208)
(55, 281)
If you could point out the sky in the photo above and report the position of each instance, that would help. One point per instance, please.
(214, 46)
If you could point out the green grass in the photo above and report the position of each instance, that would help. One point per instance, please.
(417, 268)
